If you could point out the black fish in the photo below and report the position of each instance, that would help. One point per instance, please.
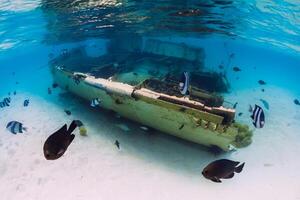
(49, 91)
(258, 117)
(234, 106)
(261, 82)
(26, 103)
(68, 112)
(263, 90)
(240, 114)
(54, 85)
(117, 143)
(296, 101)
(57, 143)
(236, 69)
(15, 92)
(222, 168)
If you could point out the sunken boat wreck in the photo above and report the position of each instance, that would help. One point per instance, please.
(139, 80)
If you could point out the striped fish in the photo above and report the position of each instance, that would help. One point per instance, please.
(15, 127)
(7, 100)
(184, 84)
(95, 102)
(3, 104)
(26, 103)
(258, 117)
(6, 103)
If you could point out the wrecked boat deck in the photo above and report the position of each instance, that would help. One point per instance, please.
(143, 87)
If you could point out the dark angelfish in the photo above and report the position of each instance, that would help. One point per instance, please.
(222, 168)
(15, 127)
(258, 117)
(184, 84)
(57, 143)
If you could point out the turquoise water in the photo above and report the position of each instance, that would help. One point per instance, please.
(263, 36)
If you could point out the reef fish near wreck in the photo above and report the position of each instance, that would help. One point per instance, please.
(117, 143)
(222, 168)
(297, 102)
(26, 103)
(57, 143)
(5, 102)
(266, 104)
(236, 69)
(184, 84)
(261, 82)
(15, 127)
(258, 117)
(95, 102)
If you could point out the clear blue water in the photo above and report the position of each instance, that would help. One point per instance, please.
(263, 35)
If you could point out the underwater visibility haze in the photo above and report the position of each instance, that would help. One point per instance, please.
(158, 99)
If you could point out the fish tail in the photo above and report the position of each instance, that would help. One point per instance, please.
(72, 127)
(239, 168)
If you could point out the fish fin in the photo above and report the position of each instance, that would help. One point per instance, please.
(239, 168)
(254, 124)
(63, 129)
(72, 136)
(72, 127)
(215, 179)
(250, 108)
(229, 175)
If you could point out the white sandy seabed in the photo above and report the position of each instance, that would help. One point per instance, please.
(149, 165)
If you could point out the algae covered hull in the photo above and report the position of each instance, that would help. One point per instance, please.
(179, 116)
